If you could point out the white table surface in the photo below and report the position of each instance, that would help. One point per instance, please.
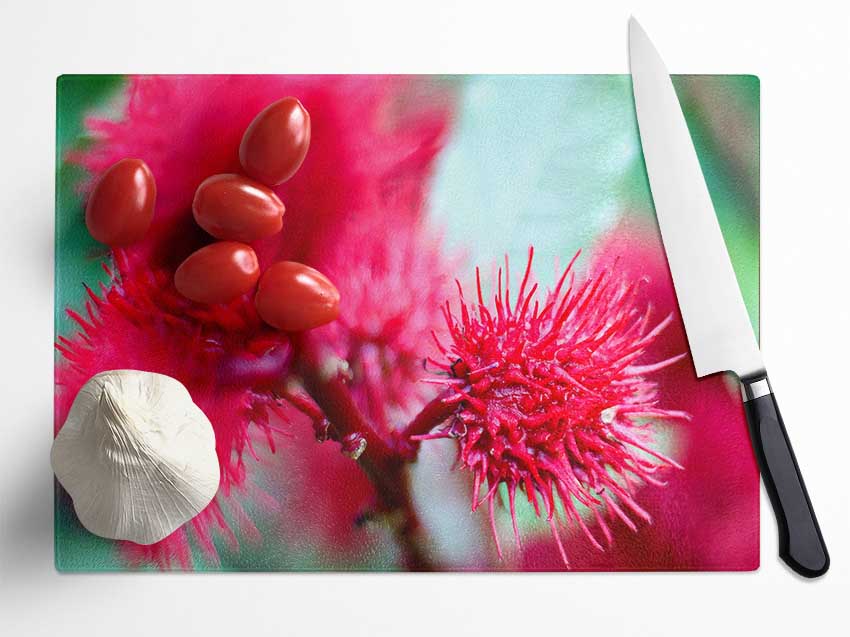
(800, 53)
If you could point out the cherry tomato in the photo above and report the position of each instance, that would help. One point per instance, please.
(218, 273)
(276, 142)
(120, 208)
(295, 297)
(237, 208)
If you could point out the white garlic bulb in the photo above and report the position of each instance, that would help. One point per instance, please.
(136, 455)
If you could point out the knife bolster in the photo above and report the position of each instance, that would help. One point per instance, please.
(752, 388)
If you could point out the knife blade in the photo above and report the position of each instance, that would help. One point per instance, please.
(718, 328)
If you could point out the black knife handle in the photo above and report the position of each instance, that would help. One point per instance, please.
(801, 544)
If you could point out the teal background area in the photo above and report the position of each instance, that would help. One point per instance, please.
(554, 161)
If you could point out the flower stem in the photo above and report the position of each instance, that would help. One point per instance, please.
(430, 416)
(326, 382)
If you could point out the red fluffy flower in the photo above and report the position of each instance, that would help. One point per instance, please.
(370, 156)
(553, 399)
(367, 153)
(224, 355)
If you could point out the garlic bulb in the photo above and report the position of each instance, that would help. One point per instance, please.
(136, 455)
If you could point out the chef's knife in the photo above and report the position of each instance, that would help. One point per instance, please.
(716, 322)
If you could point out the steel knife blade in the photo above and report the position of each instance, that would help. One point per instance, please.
(718, 328)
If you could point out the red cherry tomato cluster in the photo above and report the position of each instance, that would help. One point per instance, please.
(236, 210)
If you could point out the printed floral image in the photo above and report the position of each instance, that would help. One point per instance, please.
(507, 385)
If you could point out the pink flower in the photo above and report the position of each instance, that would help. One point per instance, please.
(224, 355)
(391, 276)
(707, 517)
(370, 156)
(552, 398)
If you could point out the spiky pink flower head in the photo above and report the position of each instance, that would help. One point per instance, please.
(707, 517)
(554, 399)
